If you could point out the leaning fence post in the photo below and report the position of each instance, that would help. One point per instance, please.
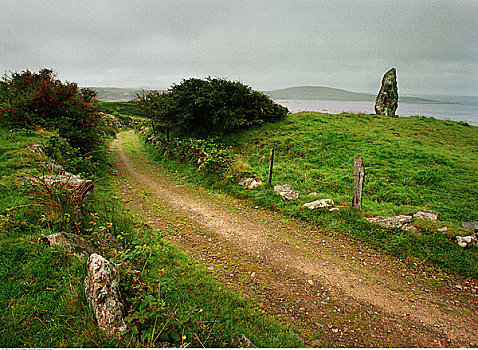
(359, 177)
(271, 165)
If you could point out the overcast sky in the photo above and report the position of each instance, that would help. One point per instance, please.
(347, 44)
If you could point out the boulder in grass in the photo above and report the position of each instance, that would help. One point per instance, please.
(391, 221)
(287, 192)
(101, 289)
(465, 241)
(250, 183)
(425, 214)
(320, 203)
(71, 243)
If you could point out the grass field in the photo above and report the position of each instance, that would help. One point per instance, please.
(411, 163)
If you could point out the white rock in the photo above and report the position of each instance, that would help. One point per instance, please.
(250, 183)
(287, 192)
(426, 214)
(391, 221)
(464, 241)
(320, 203)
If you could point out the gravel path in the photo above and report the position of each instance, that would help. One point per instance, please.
(335, 289)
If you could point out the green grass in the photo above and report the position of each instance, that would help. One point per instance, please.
(42, 300)
(411, 163)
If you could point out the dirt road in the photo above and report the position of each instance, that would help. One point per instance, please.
(336, 289)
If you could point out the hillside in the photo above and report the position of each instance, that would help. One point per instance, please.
(331, 94)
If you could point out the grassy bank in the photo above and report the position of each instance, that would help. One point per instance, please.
(42, 300)
(411, 163)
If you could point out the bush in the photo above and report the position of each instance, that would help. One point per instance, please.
(39, 99)
(202, 107)
(209, 154)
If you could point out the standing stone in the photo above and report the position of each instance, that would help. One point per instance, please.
(101, 289)
(386, 102)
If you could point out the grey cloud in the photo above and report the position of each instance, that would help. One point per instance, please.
(268, 44)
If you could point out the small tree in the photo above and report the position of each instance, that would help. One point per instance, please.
(157, 106)
(39, 99)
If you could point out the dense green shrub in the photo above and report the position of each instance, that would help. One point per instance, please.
(201, 107)
(208, 154)
(39, 99)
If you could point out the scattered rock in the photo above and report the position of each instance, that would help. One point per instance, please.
(333, 209)
(250, 183)
(37, 148)
(320, 203)
(287, 192)
(101, 289)
(71, 242)
(313, 194)
(471, 226)
(425, 214)
(386, 102)
(241, 341)
(67, 179)
(466, 240)
(391, 221)
(442, 229)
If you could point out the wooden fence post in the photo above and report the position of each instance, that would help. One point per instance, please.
(271, 165)
(359, 177)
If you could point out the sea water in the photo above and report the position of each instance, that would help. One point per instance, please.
(464, 112)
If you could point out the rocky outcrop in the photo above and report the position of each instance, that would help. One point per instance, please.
(386, 102)
(241, 341)
(287, 192)
(426, 214)
(71, 243)
(250, 183)
(101, 289)
(320, 203)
